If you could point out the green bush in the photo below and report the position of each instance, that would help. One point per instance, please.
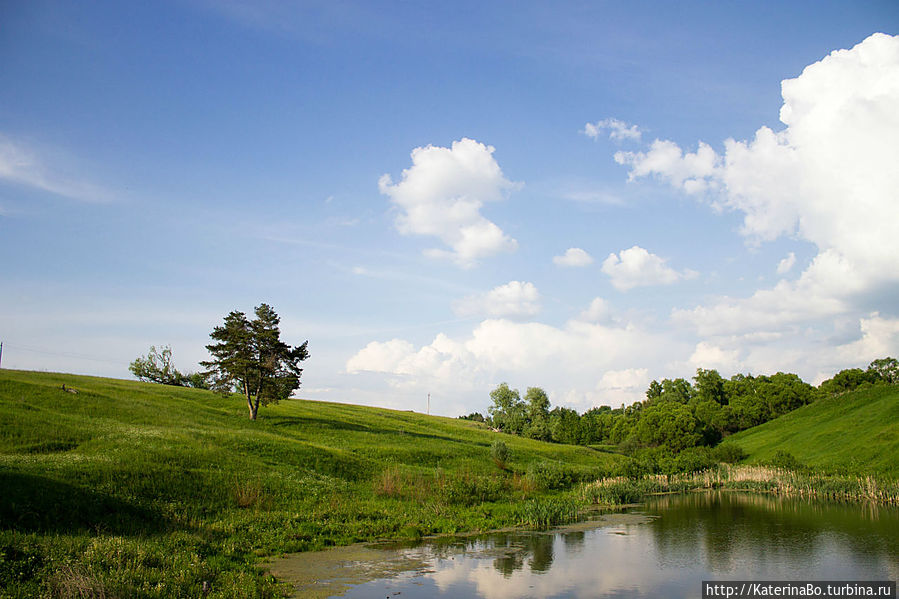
(633, 469)
(501, 454)
(553, 476)
(729, 453)
(465, 488)
(785, 460)
(694, 459)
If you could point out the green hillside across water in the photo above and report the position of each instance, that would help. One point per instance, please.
(857, 432)
(115, 488)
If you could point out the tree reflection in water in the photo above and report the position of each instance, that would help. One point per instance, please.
(729, 529)
(694, 537)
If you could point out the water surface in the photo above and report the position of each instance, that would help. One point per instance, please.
(664, 548)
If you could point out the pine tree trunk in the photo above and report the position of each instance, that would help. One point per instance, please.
(254, 408)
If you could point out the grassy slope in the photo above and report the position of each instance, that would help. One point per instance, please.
(857, 432)
(145, 490)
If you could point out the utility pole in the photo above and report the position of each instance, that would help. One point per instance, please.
(1, 352)
(429, 395)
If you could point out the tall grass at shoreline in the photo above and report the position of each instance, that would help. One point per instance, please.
(544, 513)
(761, 479)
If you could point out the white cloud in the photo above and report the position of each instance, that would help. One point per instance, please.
(381, 357)
(666, 160)
(636, 267)
(569, 361)
(515, 299)
(573, 257)
(441, 195)
(20, 164)
(574, 571)
(813, 297)
(599, 311)
(711, 356)
(593, 197)
(829, 178)
(624, 386)
(879, 338)
(591, 361)
(618, 130)
(812, 353)
(786, 265)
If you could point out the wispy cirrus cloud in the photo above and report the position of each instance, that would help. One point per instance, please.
(22, 164)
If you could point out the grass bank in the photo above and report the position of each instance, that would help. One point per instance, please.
(127, 489)
(613, 491)
(854, 433)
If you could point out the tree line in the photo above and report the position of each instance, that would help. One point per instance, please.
(677, 414)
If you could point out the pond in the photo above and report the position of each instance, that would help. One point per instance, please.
(663, 548)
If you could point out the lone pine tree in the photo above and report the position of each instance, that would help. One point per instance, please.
(250, 357)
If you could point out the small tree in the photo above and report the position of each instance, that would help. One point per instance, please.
(508, 412)
(500, 454)
(157, 367)
(538, 414)
(474, 417)
(249, 356)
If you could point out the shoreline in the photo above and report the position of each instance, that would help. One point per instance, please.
(328, 572)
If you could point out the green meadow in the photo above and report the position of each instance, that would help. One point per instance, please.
(115, 488)
(853, 433)
(839, 448)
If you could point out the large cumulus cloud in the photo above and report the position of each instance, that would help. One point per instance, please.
(441, 195)
(829, 177)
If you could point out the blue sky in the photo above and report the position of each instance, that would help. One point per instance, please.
(442, 197)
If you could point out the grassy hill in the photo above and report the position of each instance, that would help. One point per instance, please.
(128, 489)
(857, 432)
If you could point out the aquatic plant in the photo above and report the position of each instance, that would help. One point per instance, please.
(545, 512)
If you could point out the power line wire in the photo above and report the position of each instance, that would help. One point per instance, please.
(48, 352)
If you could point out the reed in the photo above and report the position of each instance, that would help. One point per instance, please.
(763, 479)
(546, 512)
